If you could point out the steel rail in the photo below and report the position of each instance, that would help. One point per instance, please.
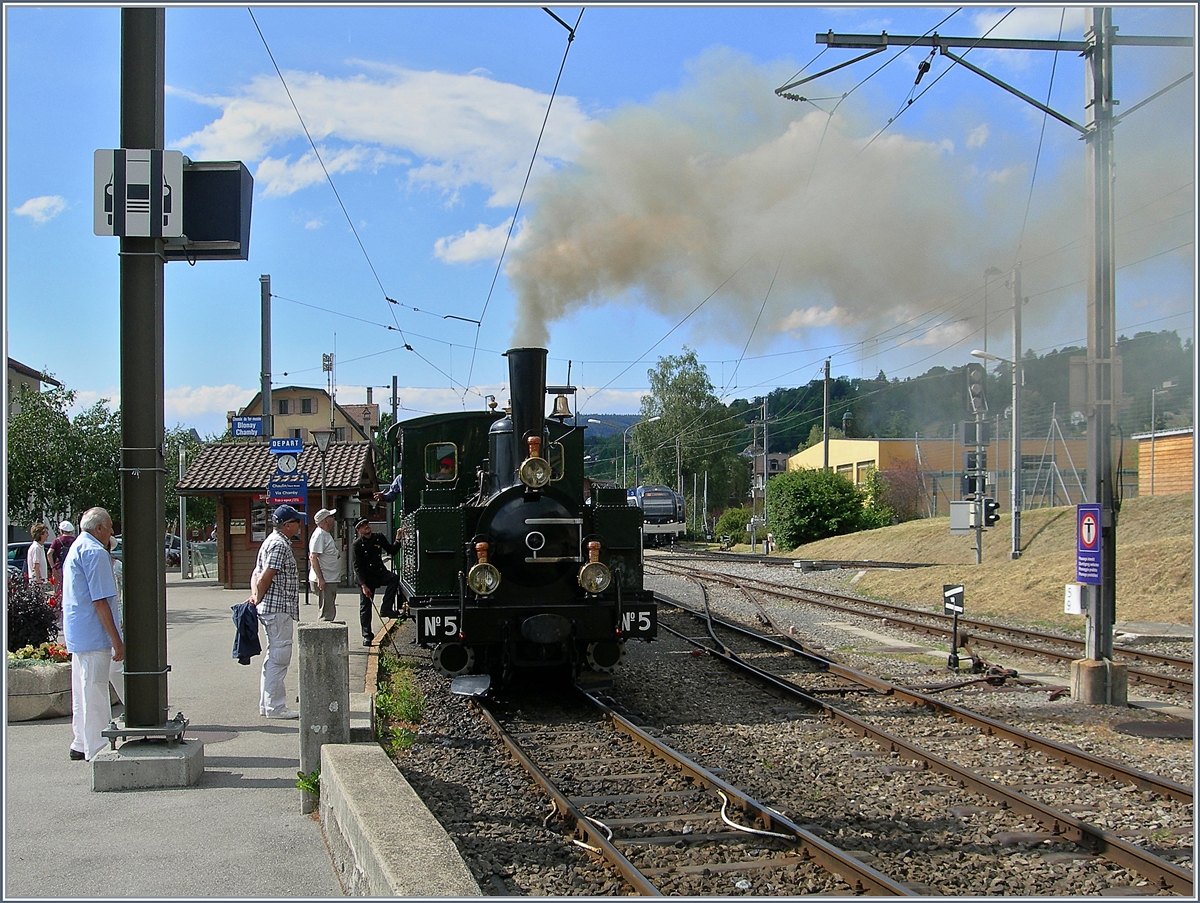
(1024, 739)
(865, 878)
(897, 614)
(583, 826)
(1096, 840)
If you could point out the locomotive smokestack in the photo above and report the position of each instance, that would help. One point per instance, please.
(527, 384)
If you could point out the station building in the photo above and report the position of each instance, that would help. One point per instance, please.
(236, 473)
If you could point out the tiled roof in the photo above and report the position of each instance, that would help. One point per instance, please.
(246, 467)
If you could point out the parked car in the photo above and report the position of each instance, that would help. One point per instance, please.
(173, 550)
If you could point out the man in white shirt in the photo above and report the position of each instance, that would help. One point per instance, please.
(325, 564)
(91, 631)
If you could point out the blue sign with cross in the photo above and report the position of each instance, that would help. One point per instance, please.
(1088, 546)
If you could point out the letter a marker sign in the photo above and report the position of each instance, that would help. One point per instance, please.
(1087, 554)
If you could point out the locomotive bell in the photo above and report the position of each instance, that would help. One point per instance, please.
(562, 408)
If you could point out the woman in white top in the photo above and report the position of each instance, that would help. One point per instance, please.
(36, 565)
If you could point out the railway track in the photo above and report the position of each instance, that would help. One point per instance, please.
(1166, 672)
(668, 824)
(891, 715)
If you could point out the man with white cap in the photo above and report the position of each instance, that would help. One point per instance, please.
(275, 588)
(324, 564)
(58, 555)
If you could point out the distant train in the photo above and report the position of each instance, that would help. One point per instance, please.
(506, 561)
(663, 519)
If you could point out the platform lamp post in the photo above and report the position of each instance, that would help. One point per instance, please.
(624, 440)
(321, 437)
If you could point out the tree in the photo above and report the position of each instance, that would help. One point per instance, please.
(58, 466)
(38, 455)
(694, 433)
(807, 505)
(201, 509)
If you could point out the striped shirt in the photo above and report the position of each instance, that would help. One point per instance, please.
(283, 594)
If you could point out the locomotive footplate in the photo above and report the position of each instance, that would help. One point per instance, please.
(445, 623)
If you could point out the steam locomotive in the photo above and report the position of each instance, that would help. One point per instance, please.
(509, 558)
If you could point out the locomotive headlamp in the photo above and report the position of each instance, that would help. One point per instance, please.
(535, 470)
(483, 578)
(594, 577)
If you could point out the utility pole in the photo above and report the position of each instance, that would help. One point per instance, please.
(766, 460)
(143, 464)
(825, 416)
(267, 414)
(1017, 377)
(1096, 679)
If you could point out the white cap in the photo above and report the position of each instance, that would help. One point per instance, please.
(322, 514)
(66, 527)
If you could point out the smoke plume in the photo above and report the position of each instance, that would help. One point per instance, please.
(667, 201)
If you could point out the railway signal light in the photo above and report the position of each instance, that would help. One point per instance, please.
(976, 432)
(973, 486)
(991, 512)
(975, 460)
(975, 388)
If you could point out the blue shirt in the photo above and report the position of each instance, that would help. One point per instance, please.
(87, 578)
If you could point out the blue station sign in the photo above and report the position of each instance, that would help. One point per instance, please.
(287, 446)
(247, 427)
(1087, 547)
(288, 490)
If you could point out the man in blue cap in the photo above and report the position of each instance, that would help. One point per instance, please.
(275, 588)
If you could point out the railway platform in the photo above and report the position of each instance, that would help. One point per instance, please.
(237, 833)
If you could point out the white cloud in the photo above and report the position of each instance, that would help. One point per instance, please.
(814, 318)
(978, 136)
(315, 223)
(466, 129)
(190, 403)
(1031, 22)
(42, 210)
(481, 243)
(282, 177)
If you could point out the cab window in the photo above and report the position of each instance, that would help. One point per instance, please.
(441, 461)
(557, 458)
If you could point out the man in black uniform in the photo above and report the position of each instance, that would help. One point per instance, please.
(371, 574)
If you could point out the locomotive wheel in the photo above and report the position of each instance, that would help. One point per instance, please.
(605, 655)
(453, 659)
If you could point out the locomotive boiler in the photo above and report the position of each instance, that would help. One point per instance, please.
(508, 559)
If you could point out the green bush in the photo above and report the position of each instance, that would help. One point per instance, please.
(732, 523)
(807, 505)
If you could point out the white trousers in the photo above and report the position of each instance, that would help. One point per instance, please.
(273, 693)
(90, 709)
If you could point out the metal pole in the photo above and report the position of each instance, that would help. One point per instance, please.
(980, 478)
(766, 460)
(825, 416)
(1101, 297)
(143, 467)
(1018, 300)
(267, 413)
(324, 500)
(185, 549)
(391, 506)
(1153, 424)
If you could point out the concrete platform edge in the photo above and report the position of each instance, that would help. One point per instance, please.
(383, 840)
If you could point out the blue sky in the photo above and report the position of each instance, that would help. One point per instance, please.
(675, 201)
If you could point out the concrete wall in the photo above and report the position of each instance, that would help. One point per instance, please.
(384, 841)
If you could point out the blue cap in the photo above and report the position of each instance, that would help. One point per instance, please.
(286, 513)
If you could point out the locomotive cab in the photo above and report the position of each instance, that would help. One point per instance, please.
(503, 566)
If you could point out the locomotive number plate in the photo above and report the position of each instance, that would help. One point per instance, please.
(639, 621)
(437, 626)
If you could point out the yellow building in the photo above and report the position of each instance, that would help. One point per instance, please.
(1166, 462)
(1052, 473)
(300, 409)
